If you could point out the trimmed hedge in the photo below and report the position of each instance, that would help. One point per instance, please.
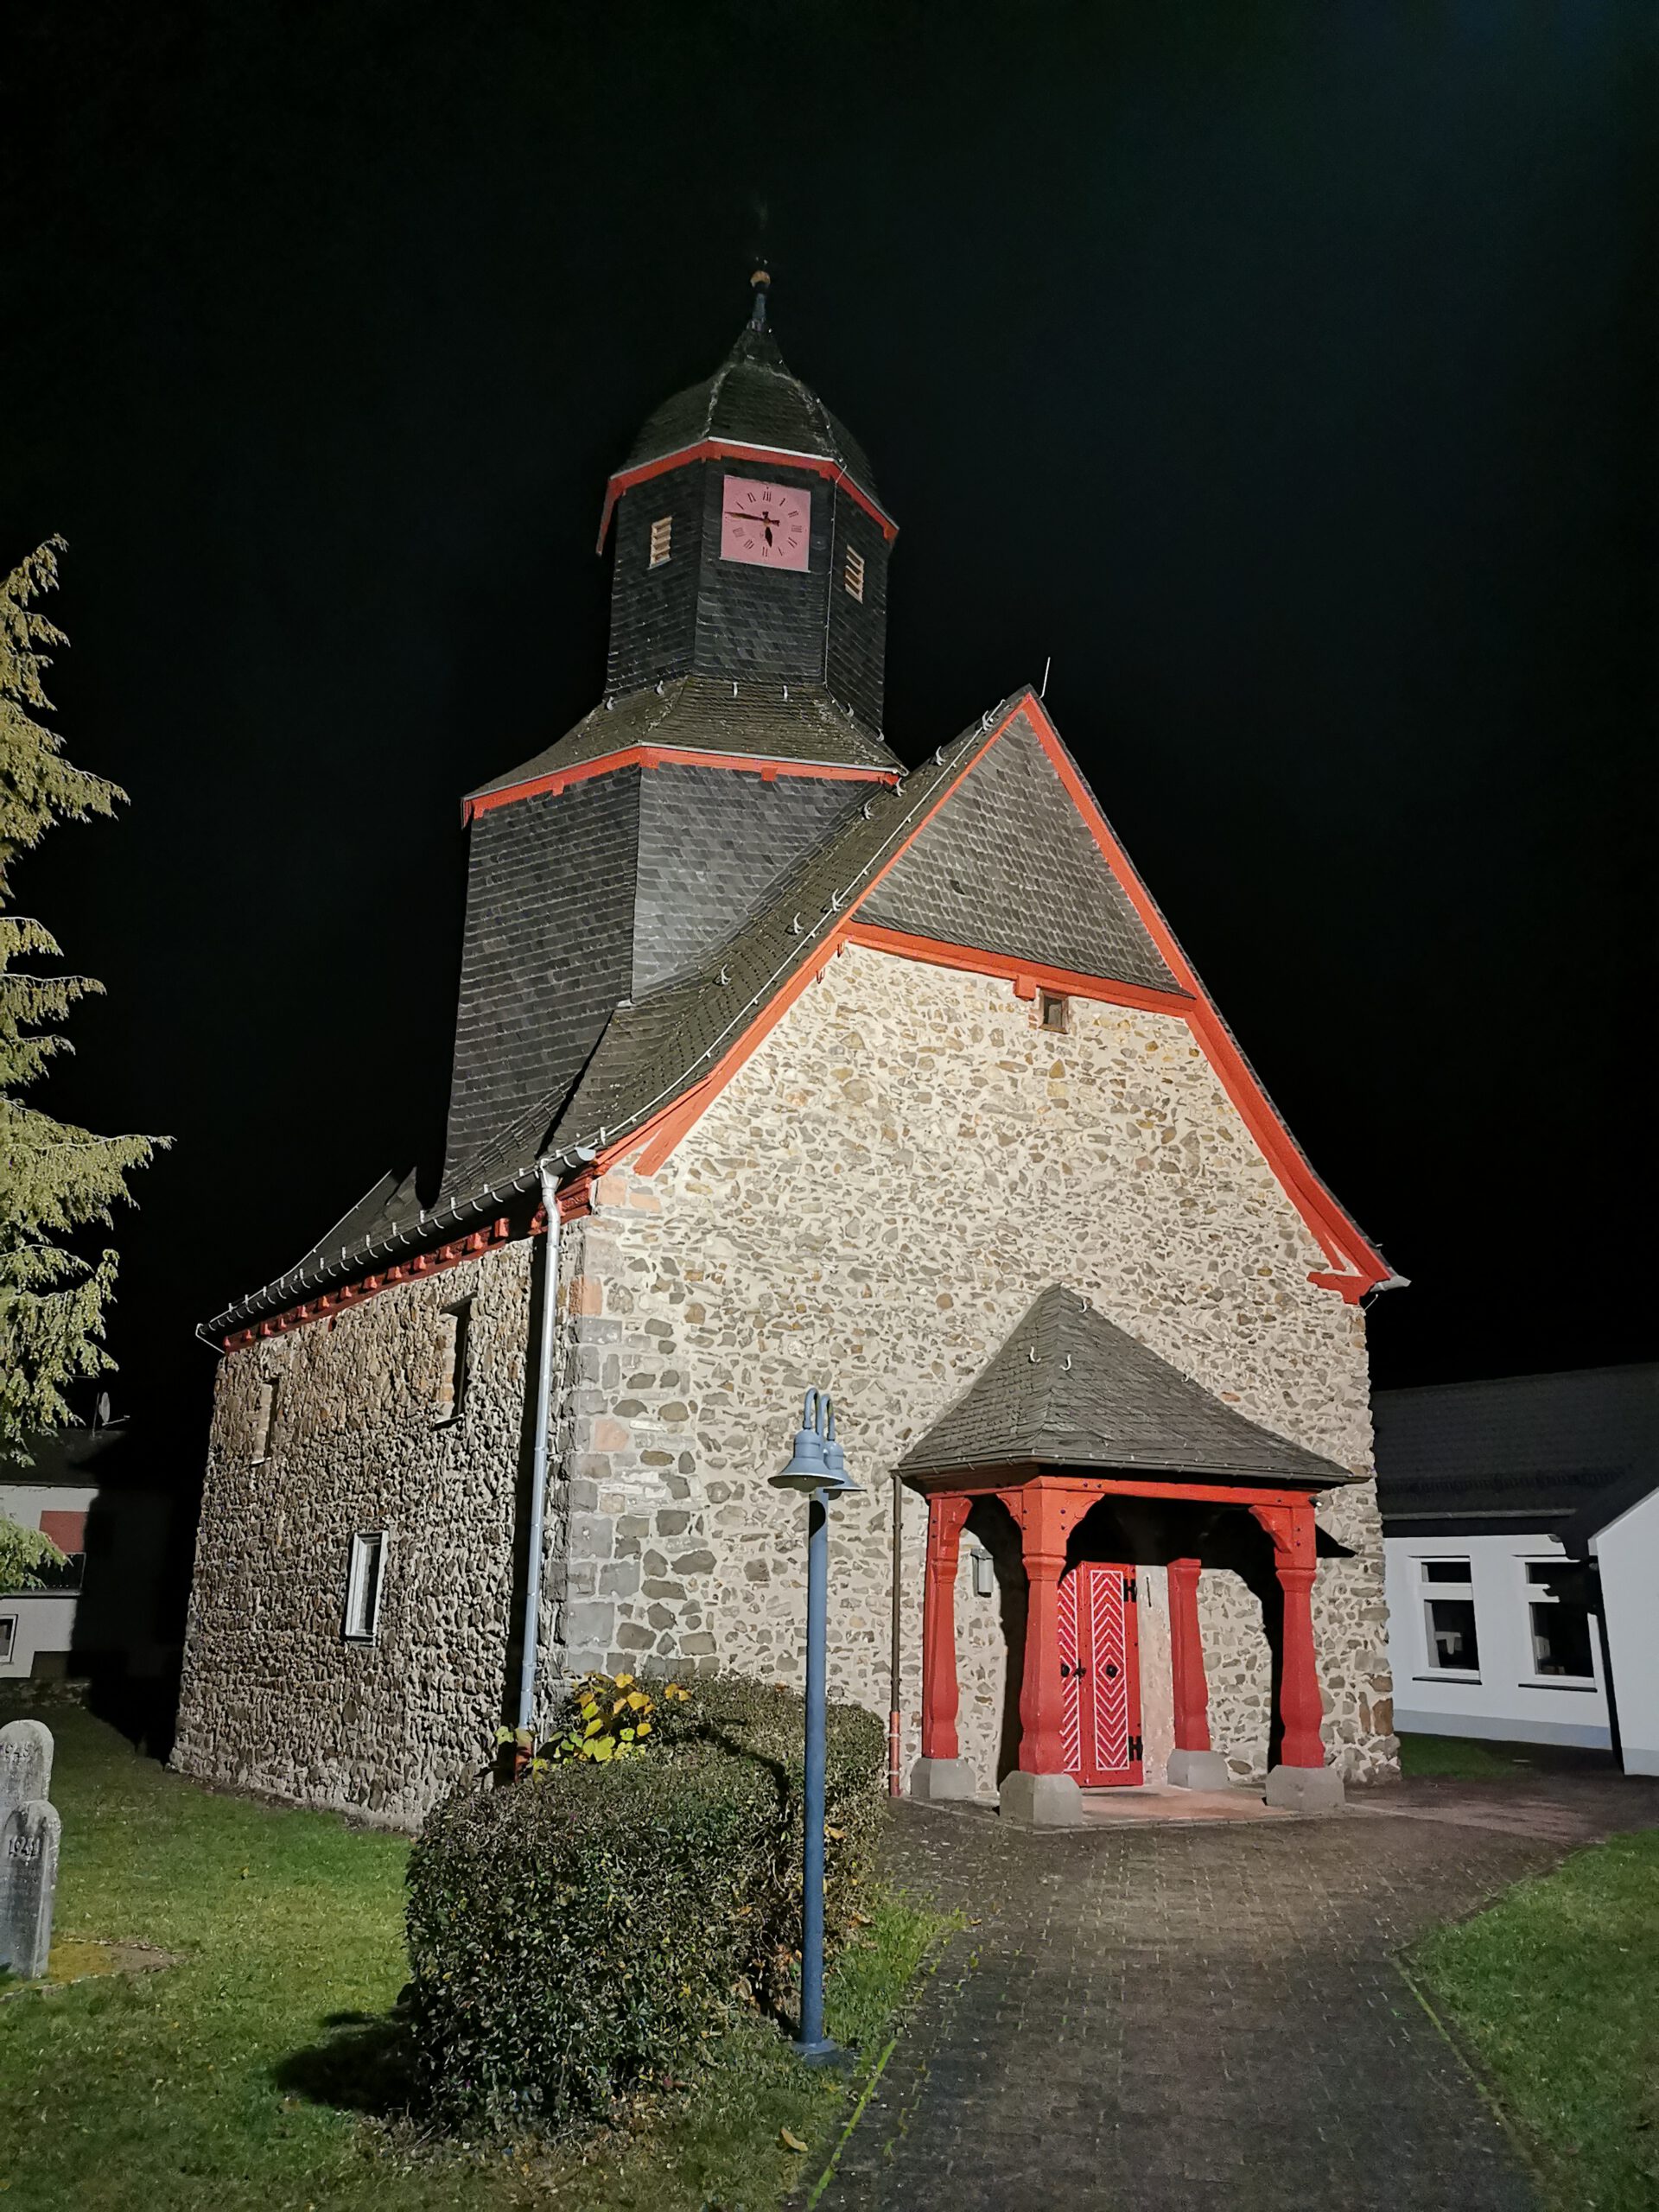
(573, 1935)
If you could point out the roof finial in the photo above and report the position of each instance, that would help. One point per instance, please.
(760, 280)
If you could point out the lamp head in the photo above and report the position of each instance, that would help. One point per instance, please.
(817, 1462)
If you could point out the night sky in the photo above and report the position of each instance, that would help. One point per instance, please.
(1287, 374)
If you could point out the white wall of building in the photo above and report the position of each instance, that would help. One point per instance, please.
(40, 1620)
(1627, 1551)
(1506, 1699)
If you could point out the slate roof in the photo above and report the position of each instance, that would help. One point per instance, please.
(1522, 1451)
(752, 398)
(1070, 1388)
(1010, 867)
(713, 714)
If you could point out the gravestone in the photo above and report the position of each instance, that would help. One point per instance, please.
(25, 1763)
(28, 1881)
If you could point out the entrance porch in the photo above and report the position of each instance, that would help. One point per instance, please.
(1101, 1485)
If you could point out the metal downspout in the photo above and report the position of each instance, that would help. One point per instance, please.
(538, 1457)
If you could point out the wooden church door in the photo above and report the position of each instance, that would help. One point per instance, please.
(1100, 1675)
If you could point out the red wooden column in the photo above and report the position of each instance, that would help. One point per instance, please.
(1044, 1527)
(1186, 1658)
(940, 1696)
(1302, 1777)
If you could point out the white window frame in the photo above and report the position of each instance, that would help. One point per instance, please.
(365, 1582)
(8, 1638)
(1432, 1589)
(1531, 1595)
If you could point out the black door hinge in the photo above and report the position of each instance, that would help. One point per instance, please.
(1131, 1588)
(1136, 1753)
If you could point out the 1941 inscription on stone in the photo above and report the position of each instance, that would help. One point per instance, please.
(28, 1881)
(25, 1763)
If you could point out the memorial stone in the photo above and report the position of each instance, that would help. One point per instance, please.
(25, 1763)
(28, 1881)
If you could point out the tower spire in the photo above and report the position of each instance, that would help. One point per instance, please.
(761, 281)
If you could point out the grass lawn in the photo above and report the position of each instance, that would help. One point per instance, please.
(1555, 1988)
(1466, 1758)
(240, 2076)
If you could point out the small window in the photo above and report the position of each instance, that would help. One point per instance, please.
(662, 540)
(1454, 1644)
(263, 1420)
(1560, 1626)
(454, 1326)
(853, 573)
(8, 1638)
(1055, 1012)
(363, 1587)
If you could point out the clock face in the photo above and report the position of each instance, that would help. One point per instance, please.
(768, 524)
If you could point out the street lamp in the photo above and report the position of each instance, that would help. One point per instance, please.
(817, 1467)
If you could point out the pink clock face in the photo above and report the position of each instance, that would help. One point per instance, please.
(769, 523)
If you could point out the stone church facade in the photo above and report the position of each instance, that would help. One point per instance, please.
(777, 1063)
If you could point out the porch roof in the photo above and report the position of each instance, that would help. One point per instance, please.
(1070, 1388)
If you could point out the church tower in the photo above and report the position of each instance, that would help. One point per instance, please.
(741, 718)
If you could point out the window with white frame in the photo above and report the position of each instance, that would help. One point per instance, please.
(8, 1638)
(363, 1587)
(1560, 1622)
(1449, 1616)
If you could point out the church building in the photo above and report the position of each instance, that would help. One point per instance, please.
(780, 1063)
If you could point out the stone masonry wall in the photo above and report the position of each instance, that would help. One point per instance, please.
(872, 1202)
(274, 1698)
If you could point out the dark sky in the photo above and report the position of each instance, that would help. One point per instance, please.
(1286, 373)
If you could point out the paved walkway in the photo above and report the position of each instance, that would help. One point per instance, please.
(1146, 2019)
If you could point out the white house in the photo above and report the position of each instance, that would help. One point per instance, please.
(1521, 1526)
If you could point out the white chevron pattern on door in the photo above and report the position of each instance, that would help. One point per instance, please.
(1100, 1673)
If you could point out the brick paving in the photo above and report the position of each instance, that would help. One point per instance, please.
(1143, 2018)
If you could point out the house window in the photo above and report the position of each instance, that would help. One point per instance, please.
(853, 574)
(1449, 1617)
(363, 1587)
(264, 1420)
(1055, 1012)
(1560, 1626)
(662, 540)
(8, 1638)
(455, 1328)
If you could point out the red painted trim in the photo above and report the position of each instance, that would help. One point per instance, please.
(941, 1698)
(371, 1285)
(1028, 980)
(726, 449)
(1357, 1265)
(992, 1482)
(670, 756)
(1191, 1690)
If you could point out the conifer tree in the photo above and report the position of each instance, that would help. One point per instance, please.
(54, 1179)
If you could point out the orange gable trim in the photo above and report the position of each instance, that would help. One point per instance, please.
(371, 1285)
(726, 449)
(672, 756)
(1027, 977)
(1356, 1267)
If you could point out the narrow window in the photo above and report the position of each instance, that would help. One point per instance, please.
(853, 573)
(1056, 1012)
(264, 1420)
(662, 540)
(8, 1638)
(363, 1587)
(1560, 1625)
(1449, 1617)
(454, 1326)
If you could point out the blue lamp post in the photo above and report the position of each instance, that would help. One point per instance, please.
(817, 1467)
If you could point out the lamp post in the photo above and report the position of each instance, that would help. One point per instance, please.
(817, 1467)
